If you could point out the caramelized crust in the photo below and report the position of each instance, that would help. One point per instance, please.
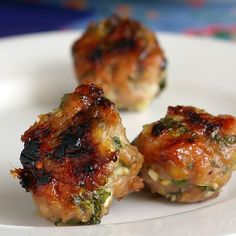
(124, 58)
(189, 154)
(71, 156)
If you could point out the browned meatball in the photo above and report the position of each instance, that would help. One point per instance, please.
(124, 58)
(77, 158)
(189, 154)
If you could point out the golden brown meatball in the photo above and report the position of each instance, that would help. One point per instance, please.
(124, 58)
(77, 158)
(189, 154)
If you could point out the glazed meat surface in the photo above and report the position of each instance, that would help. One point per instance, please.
(124, 58)
(77, 158)
(189, 155)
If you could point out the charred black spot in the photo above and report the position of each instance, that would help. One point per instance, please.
(88, 169)
(43, 177)
(124, 44)
(173, 127)
(194, 117)
(33, 177)
(97, 54)
(191, 139)
(101, 101)
(74, 144)
(85, 166)
(30, 154)
(209, 126)
(115, 158)
(89, 90)
(158, 129)
(212, 127)
(82, 184)
(25, 181)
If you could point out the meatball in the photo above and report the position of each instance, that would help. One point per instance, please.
(189, 154)
(124, 58)
(77, 158)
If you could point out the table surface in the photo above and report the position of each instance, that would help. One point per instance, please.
(209, 18)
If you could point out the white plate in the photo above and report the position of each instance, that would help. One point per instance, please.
(36, 70)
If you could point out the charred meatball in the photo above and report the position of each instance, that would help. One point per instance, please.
(124, 58)
(189, 154)
(77, 158)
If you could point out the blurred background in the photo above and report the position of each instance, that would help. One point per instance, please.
(212, 18)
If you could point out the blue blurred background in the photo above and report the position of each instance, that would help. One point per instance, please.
(214, 18)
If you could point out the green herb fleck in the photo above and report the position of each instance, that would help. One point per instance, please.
(214, 163)
(180, 183)
(179, 131)
(86, 204)
(204, 187)
(229, 140)
(102, 194)
(223, 140)
(190, 165)
(99, 197)
(162, 84)
(94, 204)
(117, 143)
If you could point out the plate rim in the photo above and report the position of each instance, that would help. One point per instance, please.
(12, 39)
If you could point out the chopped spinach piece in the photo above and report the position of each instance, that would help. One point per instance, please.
(102, 194)
(83, 203)
(94, 204)
(99, 197)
